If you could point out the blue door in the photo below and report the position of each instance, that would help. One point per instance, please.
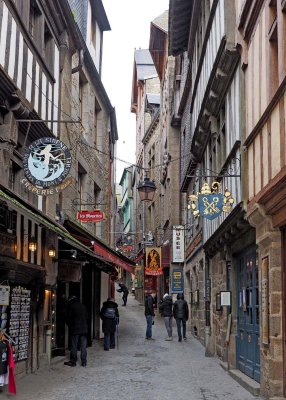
(247, 340)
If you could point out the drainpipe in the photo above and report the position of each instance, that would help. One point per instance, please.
(80, 63)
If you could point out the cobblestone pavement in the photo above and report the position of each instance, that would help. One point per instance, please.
(139, 369)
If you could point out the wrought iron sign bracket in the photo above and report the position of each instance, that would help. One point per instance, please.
(230, 170)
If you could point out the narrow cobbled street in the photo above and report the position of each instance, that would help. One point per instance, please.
(139, 369)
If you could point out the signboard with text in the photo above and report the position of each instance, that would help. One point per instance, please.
(46, 164)
(90, 216)
(178, 244)
(177, 284)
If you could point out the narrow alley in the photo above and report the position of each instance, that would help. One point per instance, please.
(138, 369)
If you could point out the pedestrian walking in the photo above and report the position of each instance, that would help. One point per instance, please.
(181, 314)
(149, 314)
(77, 322)
(166, 309)
(123, 289)
(110, 317)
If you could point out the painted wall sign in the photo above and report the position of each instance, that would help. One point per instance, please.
(47, 162)
(177, 284)
(178, 244)
(153, 261)
(49, 191)
(90, 216)
(265, 300)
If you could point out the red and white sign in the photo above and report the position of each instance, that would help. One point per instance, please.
(90, 216)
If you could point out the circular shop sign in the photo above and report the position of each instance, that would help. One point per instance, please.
(47, 162)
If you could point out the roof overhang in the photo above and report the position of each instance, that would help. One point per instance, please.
(180, 12)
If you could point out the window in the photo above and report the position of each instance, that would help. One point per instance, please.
(96, 194)
(35, 24)
(80, 184)
(96, 121)
(49, 48)
(14, 177)
(273, 51)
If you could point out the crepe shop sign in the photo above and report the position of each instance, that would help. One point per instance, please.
(90, 216)
(47, 163)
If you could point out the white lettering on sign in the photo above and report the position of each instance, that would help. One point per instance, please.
(178, 243)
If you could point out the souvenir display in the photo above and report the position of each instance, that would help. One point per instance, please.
(19, 322)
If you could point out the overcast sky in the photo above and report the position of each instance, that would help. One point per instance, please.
(130, 28)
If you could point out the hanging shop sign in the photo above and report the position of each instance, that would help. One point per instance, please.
(90, 216)
(46, 163)
(153, 261)
(178, 244)
(177, 285)
(210, 203)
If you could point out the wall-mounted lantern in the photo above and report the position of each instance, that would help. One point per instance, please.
(52, 251)
(32, 244)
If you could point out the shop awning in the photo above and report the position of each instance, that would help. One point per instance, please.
(101, 250)
(41, 219)
(111, 256)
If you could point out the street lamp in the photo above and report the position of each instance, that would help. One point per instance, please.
(146, 190)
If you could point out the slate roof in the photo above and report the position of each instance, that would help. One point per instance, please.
(144, 64)
(162, 21)
(153, 98)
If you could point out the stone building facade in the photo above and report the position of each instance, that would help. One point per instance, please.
(261, 35)
(221, 252)
(51, 88)
(168, 160)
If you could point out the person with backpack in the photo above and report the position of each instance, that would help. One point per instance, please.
(123, 289)
(110, 319)
(181, 315)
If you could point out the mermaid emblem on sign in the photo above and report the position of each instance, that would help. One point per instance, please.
(47, 162)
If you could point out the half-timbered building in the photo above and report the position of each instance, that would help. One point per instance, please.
(51, 88)
(221, 252)
(261, 34)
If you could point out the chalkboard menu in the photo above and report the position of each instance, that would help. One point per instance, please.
(20, 321)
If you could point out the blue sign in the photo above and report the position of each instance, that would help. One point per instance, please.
(177, 281)
(210, 205)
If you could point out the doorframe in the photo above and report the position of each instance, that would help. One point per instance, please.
(283, 255)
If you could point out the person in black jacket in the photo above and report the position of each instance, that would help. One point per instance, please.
(76, 320)
(166, 309)
(181, 314)
(110, 317)
(149, 314)
(123, 289)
